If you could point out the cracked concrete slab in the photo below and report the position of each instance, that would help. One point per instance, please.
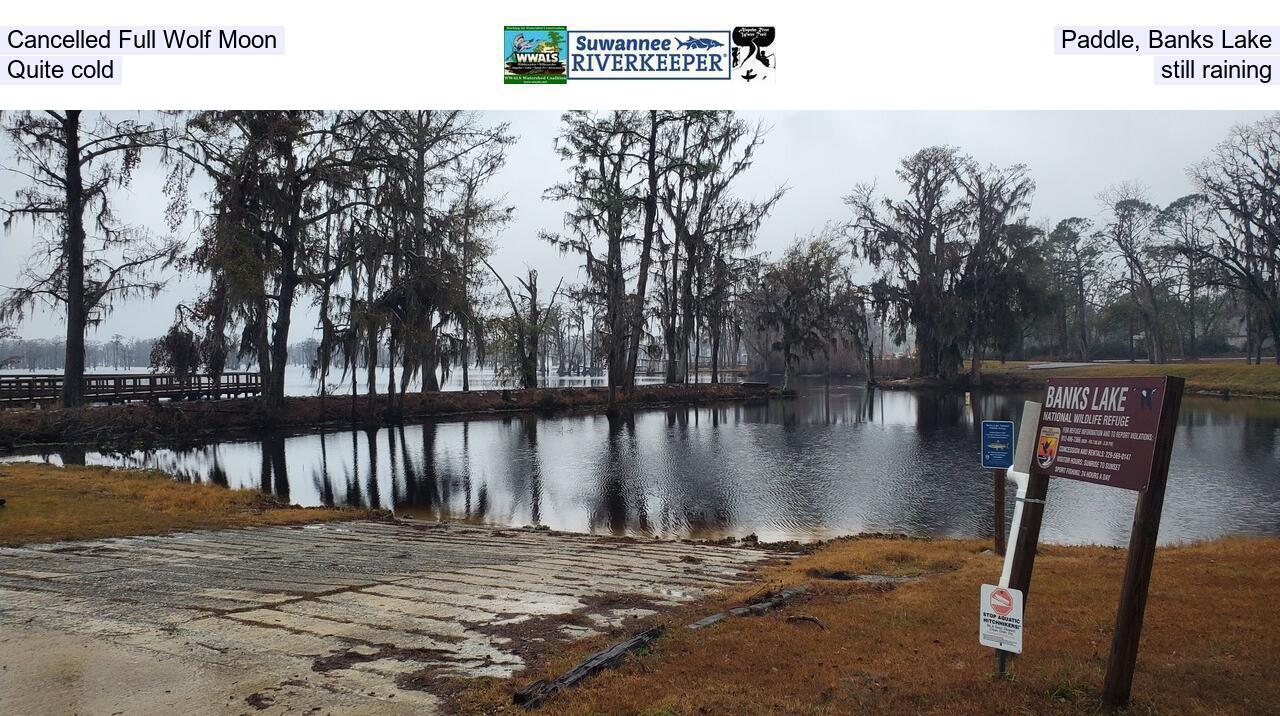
(353, 617)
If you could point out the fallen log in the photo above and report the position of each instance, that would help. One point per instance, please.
(807, 618)
(769, 602)
(534, 694)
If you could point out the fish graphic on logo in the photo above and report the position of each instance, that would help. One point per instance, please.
(1047, 447)
(698, 43)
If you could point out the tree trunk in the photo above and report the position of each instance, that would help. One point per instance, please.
(1155, 332)
(687, 320)
(274, 390)
(466, 360)
(1275, 336)
(1131, 340)
(671, 327)
(975, 367)
(466, 290)
(371, 369)
(430, 359)
(926, 352)
(77, 311)
(715, 353)
(372, 330)
(1082, 326)
(871, 363)
(646, 251)
(391, 370)
(1192, 351)
(617, 316)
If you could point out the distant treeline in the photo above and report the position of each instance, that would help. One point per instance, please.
(43, 354)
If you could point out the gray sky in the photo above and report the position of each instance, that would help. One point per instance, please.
(819, 155)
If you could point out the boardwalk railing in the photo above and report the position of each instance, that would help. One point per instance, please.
(126, 387)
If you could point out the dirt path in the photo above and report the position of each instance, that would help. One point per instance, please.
(353, 617)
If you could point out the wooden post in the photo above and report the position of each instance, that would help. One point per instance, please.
(1024, 545)
(999, 510)
(1142, 552)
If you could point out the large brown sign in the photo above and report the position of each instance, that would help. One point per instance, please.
(1100, 430)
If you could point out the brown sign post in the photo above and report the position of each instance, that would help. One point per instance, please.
(1117, 432)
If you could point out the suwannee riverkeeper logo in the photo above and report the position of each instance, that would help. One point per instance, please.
(555, 54)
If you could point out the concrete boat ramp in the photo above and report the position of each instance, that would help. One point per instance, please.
(343, 617)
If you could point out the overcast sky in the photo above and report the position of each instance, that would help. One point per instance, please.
(820, 156)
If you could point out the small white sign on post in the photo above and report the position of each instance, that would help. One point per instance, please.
(1000, 618)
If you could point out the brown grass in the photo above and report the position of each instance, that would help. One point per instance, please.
(47, 504)
(1210, 643)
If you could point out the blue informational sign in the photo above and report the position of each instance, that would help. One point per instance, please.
(997, 444)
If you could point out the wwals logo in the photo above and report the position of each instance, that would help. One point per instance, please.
(533, 54)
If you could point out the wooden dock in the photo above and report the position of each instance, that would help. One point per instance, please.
(38, 389)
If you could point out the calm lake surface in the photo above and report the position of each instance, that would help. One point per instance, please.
(833, 461)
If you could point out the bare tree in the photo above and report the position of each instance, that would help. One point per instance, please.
(1131, 232)
(279, 177)
(525, 327)
(72, 166)
(654, 165)
(598, 148)
(1242, 181)
(479, 216)
(1075, 251)
(1187, 227)
(788, 301)
(708, 153)
(916, 242)
(435, 163)
(995, 196)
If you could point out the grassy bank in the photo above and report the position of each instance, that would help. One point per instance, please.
(47, 504)
(1236, 378)
(185, 421)
(1209, 645)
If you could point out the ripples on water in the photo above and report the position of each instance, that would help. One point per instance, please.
(831, 462)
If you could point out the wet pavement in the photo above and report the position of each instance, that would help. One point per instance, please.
(353, 617)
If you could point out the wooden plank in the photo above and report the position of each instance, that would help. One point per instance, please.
(534, 694)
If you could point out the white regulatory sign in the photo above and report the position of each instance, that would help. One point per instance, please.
(1000, 618)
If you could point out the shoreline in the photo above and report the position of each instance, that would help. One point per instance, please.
(182, 422)
(45, 504)
(887, 625)
(1209, 379)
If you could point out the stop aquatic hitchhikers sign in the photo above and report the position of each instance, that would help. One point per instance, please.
(1000, 618)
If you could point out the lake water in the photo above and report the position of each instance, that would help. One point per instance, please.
(833, 461)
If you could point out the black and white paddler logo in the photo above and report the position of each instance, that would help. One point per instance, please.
(753, 55)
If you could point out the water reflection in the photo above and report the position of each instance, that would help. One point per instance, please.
(837, 460)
